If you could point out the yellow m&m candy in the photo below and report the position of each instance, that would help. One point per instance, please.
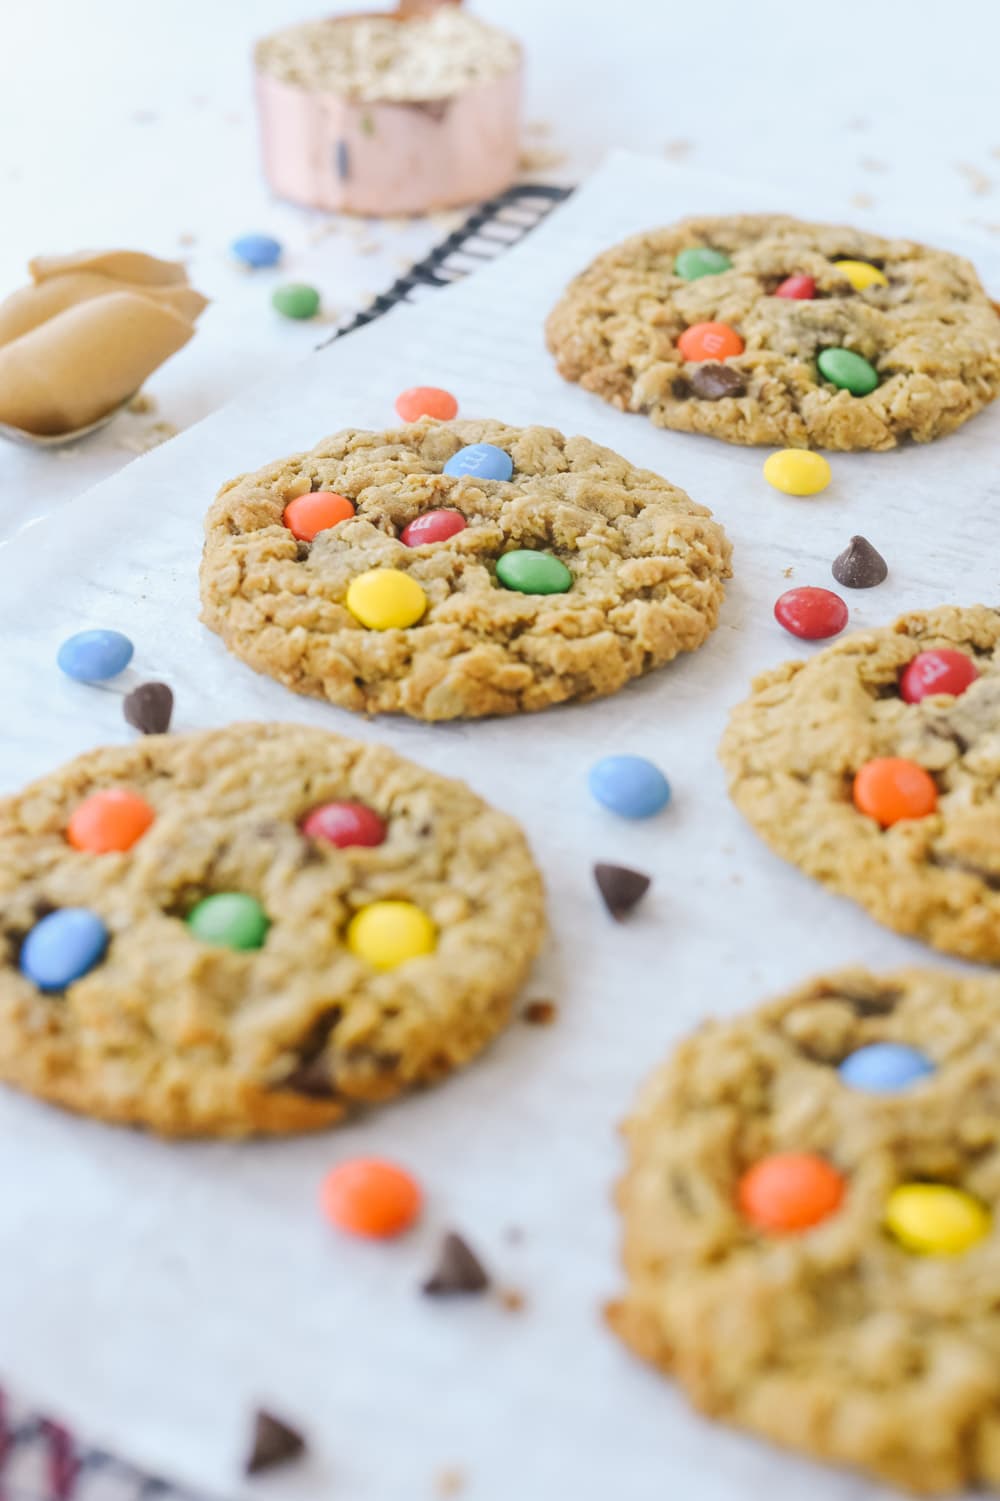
(386, 599)
(797, 471)
(934, 1219)
(389, 933)
(861, 275)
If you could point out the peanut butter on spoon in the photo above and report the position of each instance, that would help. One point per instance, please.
(86, 333)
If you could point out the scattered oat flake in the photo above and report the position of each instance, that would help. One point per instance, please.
(540, 158)
(991, 226)
(676, 151)
(788, 572)
(150, 437)
(450, 1482)
(142, 404)
(978, 181)
(540, 1013)
(863, 200)
(512, 1300)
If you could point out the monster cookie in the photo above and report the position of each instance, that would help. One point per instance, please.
(253, 930)
(808, 1219)
(461, 569)
(873, 766)
(763, 329)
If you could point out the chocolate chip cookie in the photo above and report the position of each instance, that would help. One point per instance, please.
(759, 328)
(808, 1209)
(560, 578)
(253, 930)
(873, 766)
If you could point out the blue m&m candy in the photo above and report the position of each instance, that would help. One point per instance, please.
(257, 251)
(630, 786)
(63, 947)
(480, 461)
(93, 656)
(885, 1067)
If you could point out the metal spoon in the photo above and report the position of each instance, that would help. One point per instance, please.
(61, 440)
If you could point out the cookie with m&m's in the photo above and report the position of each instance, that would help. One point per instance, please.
(253, 930)
(810, 1206)
(759, 328)
(453, 570)
(873, 767)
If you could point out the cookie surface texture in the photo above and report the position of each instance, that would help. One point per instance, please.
(924, 325)
(835, 1340)
(195, 1037)
(646, 569)
(792, 752)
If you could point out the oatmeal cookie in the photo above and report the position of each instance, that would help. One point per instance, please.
(790, 295)
(913, 708)
(631, 572)
(809, 1243)
(282, 1006)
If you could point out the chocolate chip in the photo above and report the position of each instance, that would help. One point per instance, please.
(311, 1075)
(148, 708)
(862, 1002)
(458, 1270)
(274, 1443)
(712, 382)
(859, 566)
(621, 888)
(540, 1013)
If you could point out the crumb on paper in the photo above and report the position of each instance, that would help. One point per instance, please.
(540, 1013)
(787, 572)
(141, 404)
(450, 1481)
(991, 226)
(871, 164)
(187, 238)
(512, 1300)
(540, 158)
(148, 438)
(862, 200)
(321, 231)
(977, 181)
(447, 218)
(676, 151)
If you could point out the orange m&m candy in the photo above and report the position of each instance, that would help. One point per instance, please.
(710, 341)
(371, 1197)
(426, 401)
(308, 515)
(790, 1191)
(890, 788)
(109, 821)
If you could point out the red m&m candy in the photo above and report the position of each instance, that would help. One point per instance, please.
(710, 341)
(344, 824)
(790, 1191)
(433, 526)
(810, 613)
(802, 288)
(940, 671)
(109, 822)
(426, 401)
(308, 515)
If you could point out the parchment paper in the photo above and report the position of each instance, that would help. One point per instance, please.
(153, 1294)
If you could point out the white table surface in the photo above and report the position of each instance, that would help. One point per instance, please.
(126, 125)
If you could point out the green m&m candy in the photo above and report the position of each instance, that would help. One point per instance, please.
(230, 920)
(533, 573)
(850, 371)
(700, 260)
(296, 300)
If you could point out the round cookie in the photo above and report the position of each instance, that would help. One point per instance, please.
(923, 323)
(793, 750)
(834, 1338)
(646, 569)
(189, 1036)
